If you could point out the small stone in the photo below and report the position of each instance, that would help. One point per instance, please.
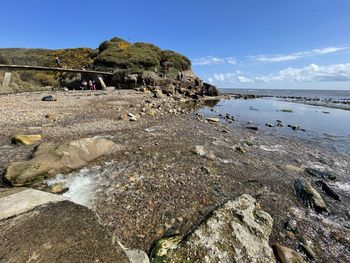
(269, 125)
(240, 149)
(254, 128)
(59, 188)
(213, 120)
(26, 139)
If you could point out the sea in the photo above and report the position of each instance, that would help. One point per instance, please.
(321, 94)
(323, 125)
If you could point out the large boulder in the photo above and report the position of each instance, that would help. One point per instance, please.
(50, 159)
(238, 231)
(57, 231)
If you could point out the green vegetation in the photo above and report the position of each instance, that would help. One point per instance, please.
(120, 54)
(70, 58)
(115, 54)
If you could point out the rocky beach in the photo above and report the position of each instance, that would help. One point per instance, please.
(150, 174)
(123, 154)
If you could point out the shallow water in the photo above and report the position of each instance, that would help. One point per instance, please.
(322, 94)
(327, 126)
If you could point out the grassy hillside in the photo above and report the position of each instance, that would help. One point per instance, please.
(114, 54)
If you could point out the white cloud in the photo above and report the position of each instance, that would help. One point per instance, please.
(243, 79)
(313, 72)
(234, 77)
(211, 60)
(297, 55)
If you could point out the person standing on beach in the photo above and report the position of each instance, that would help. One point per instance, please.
(58, 62)
(90, 84)
(94, 85)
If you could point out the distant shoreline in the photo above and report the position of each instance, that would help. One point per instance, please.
(338, 99)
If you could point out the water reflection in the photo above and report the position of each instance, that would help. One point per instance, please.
(319, 122)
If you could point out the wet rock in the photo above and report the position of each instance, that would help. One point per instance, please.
(321, 174)
(57, 232)
(309, 196)
(328, 190)
(287, 255)
(26, 139)
(308, 251)
(58, 188)
(238, 231)
(248, 143)
(48, 98)
(240, 149)
(50, 159)
(213, 120)
(269, 125)
(254, 128)
(286, 110)
(291, 225)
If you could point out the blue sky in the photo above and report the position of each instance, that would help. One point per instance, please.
(233, 44)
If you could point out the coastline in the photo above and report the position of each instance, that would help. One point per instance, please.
(342, 103)
(159, 187)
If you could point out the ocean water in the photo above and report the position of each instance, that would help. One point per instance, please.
(322, 94)
(327, 126)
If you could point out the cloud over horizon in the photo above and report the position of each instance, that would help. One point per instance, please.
(235, 77)
(211, 60)
(297, 55)
(313, 72)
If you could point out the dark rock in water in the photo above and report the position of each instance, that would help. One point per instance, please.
(320, 174)
(291, 225)
(347, 214)
(279, 124)
(48, 98)
(328, 190)
(269, 125)
(278, 121)
(295, 127)
(309, 196)
(254, 128)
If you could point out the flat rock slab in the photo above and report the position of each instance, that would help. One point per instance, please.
(20, 202)
(57, 232)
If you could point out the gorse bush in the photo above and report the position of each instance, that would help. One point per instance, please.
(120, 54)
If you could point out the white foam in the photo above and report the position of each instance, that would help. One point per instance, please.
(82, 186)
(343, 186)
(273, 148)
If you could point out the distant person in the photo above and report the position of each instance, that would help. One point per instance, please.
(84, 85)
(90, 84)
(58, 62)
(94, 85)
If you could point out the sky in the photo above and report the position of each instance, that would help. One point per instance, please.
(294, 44)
